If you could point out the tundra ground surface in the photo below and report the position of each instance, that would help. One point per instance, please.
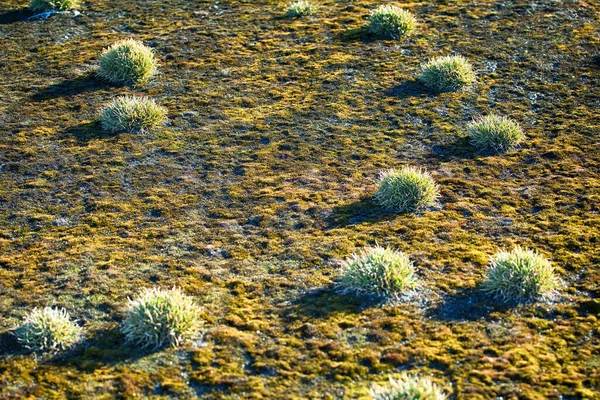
(262, 181)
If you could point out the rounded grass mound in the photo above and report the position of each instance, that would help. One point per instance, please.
(48, 329)
(161, 317)
(494, 134)
(377, 271)
(132, 114)
(447, 73)
(300, 8)
(406, 190)
(520, 275)
(57, 5)
(408, 387)
(391, 22)
(127, 61)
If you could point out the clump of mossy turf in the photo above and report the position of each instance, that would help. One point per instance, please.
(48, 329)
(57, 5)
(520, 275)
(300, 8)
(391, 22)
(132, 114)
(161, 317)
(408, 387)
(127, 61)
(406, 190)
(447, 73)
(494, 134)
(377, 271)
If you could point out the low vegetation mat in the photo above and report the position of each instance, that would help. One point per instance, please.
(335, 206)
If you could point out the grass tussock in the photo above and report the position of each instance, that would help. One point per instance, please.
(127, 62)
(377, 271)
(391, 22)
(494, 134)
(408, 387)
(132, 114)
(158, 317)
(57, 5)
(520, 275)
(48, 329)
(447, 73)
(406, 190)
(300, 8)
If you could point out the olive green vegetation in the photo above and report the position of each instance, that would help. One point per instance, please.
(48, 329)
(520, 275)
(447, 73)
(261, 183)
(159, 317)
(126, 62)
(391, 22)
(132, 114)
(58, 5)
(494, 134)
(405, 190)
(378, 271)
(408, 387)
(300, 8)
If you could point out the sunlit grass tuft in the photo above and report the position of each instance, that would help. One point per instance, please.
(447, 73)
(406, 190)
(127, 61)
(48, 329)
(377, 271)
(391, 22)
(58, 5)
(408, 387)
(132, 114)
(300, 8)
(161, 317)
(520, 275)
(494, 134)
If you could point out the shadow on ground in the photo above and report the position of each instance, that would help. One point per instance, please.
(9, 17)
(105, 347)
(357, 35)
(412, 88)
(88, 132)
(459, 148)
(9, 345)
(322, 302)
(82, 84)
(467, 304)
(358, 212)
(589, 307)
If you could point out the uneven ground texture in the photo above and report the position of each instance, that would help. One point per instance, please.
(261, 182)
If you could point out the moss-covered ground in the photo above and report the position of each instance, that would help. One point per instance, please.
(261, 183)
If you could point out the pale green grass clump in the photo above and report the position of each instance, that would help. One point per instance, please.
(132, 114)
(58, 5)
(48, 329)
(300, 8)
(494, 134)
(406, 190)
(391, 22)
(377, 271)
(127, 61)
(520, 275)
(447, 73)
(408, 387)
(161, 317)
